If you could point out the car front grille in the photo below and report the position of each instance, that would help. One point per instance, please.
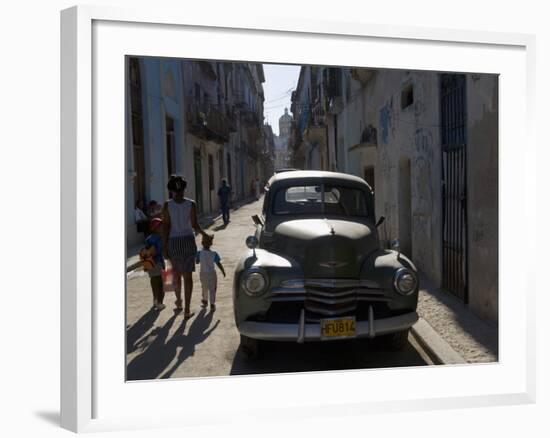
(325, 298)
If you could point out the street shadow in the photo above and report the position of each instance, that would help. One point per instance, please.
(160, 351)
(156, 356)
(139, 328)
(220, 227)
(198, 331)
(288, 357)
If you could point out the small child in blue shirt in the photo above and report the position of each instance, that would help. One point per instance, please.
(153, 262)
(209, 280)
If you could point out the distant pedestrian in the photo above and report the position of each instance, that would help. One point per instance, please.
(141, 219)
(180, 222)
(257, 188)
(153, 262)
(209, 280)
(224, 193)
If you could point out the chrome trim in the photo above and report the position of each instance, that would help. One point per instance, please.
(396, 276)
(276, 299)
(328, 292)
(329, 301)
(372, 333)
(330, 312)
(302, 327)
(252, 271)
(331, 294)
(291, 283)
(252, 242)
(284, 290)
(339, 283)
(312, 331)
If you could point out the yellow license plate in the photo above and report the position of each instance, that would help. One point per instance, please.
(338, 328)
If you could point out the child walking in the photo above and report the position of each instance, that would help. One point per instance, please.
(153, 262)
(209, 281)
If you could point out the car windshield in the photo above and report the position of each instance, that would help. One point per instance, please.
(327, 199)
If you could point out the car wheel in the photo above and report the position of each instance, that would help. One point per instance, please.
(394, 341)
(250, 348)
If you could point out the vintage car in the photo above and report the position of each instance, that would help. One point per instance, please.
(315, 269)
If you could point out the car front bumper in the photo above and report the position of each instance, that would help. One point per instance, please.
(302, 331)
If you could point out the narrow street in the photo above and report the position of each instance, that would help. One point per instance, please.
(164, 345)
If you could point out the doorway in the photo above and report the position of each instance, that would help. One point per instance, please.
(210, 180)
(170, 146)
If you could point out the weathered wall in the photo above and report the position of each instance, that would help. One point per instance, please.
(410, 137)
(162, 95)
(482, 143)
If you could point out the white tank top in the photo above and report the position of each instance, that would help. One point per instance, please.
(180, 218)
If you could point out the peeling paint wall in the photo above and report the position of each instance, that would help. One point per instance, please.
(408, 135)
(404, 109)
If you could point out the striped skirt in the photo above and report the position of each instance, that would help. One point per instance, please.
(182, 247)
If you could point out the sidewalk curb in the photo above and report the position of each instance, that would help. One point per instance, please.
(435, 346)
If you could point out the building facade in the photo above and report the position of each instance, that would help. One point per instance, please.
(282, 160)
(201, 119)
(427, 143)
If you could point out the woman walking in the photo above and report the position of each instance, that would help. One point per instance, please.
(180, 222)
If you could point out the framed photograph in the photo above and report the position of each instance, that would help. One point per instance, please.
(302, 218)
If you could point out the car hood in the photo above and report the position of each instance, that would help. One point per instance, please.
(326, 248)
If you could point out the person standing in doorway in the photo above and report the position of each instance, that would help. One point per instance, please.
(257, 188)
(180, 222)
(224, 193)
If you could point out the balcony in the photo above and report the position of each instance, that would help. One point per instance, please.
(318, 113)
(210, 122)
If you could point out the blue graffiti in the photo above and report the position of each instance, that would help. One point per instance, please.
(385, 122)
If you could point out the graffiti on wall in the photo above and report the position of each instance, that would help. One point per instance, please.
(386, 114)
(424, 142)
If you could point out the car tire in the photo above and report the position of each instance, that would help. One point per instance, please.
(250, 348)
(394, 341)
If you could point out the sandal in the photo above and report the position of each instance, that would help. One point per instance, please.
(188, 315)
(178, 306)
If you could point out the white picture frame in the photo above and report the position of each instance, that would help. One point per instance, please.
(92, 396)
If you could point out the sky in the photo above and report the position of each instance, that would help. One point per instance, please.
(280, 81)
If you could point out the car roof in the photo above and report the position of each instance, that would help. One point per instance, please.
(313, 174)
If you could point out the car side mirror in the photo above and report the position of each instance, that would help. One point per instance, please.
(252, 243)
(380, 221)
(257, 220)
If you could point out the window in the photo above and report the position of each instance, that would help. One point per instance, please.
(325, 199)
(407, 96)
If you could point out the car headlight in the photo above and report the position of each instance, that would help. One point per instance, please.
(254, 282)
(405, 281)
